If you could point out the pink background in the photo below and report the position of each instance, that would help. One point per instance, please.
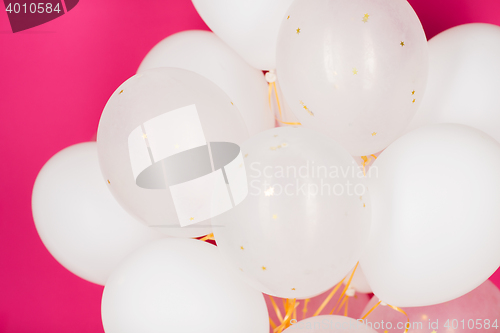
(55, 80)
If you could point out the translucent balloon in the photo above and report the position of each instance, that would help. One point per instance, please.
(78, 219)
(464, 79)
(206, 54)
(477, 311)
(354, 70)
(248, 27)
(358, 282)
(163, 142)
(329, 324)
(435, 194)
(182, 286)
(305, 220)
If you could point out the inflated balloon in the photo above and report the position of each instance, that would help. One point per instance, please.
(248, 27)
(435, 213)
(206, 54)
(77, 218)
(354, 70)
(329, 324)
(182, 286)
(358, 282)
(477, 311)
(464, 79)
(168, 149)
(305, 220)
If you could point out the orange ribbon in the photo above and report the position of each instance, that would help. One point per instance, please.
(207, 237)
(345, 288)
(367, 160)
(290, 309)
(407, 326)
(272, 86)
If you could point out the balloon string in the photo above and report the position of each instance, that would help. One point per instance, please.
(273, 325)
(289, 313)
(276, 309)
(304, 310)
(272, 86)
(344, 302)
(328, 298)
(207, 237)
(367, 160)
(346, 305)
(407, 326)
(345, 288)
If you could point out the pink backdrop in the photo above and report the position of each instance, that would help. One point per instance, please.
(55, 80)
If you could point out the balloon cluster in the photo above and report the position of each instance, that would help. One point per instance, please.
(188, 148)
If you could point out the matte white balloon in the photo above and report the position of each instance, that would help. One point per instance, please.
(181, 286)
(464, 79)
(305, 220)
(248, 27)
(206, 54)
(78, 219)
(329, 324)
(184, 111)
(435, 216)
(353, 70)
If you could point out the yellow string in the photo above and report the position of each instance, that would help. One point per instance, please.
(346, 305)
(328, 298)
(367, 160)
(344, 300)
(273, 325)
(407, 327)
(272, 86)
(276, 309)
(286, 321)
(345, 288)
(304, 310)
(207, 237)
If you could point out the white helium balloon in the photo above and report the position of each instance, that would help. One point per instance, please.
(153, 142)
(435, 194)
(77, 218)
(181, 286)
(464, 79)
(358, 282)
(305, 220)
(353, 70)
(248, 27)
(206, 54)
(329, 324)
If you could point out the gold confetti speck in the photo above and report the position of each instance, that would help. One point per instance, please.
(264, 268)
(364, 205)
(284, 145)
(191, 218)
(120, 92)
(275, 135)
(272, 148)
(232, 103)
(275, 216)
(288, 17)
(298, 31)
(360, 197)
(145, 136)
(413, 92)
(246, 155)
(354, 71)
(241, 269)
(293, 288)
(374, 133)
(269, 192)
(109, 182)
(402, 43)
(306, 108)
(241, 247)
(413, 101)
(365, 18)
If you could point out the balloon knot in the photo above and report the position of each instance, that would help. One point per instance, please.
(271, 76)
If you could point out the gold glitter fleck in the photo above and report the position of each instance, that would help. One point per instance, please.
(365, 18)
(284, 145)
(192, 218)
(354, 71)
(145, 136)
(298, 31)
(288, 17)
(413, 92)
(275, 216)
(293, 288)
(241, 247)
(374, 133)
(306, 108)
(413, 101)
(264, 268)
(109, 182)
(273, 148)
(246, 155)
(120, 92)
(232, 103)
(402, 43)
(364, 205)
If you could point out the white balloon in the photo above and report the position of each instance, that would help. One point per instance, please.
(435, 216)
(354, 70)
(464, 79)
(329, 324)
(161, 115)
(305, 220)
(248, 27)
(358, 282)
(181, 286)
(206, 54)
(77, 218)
